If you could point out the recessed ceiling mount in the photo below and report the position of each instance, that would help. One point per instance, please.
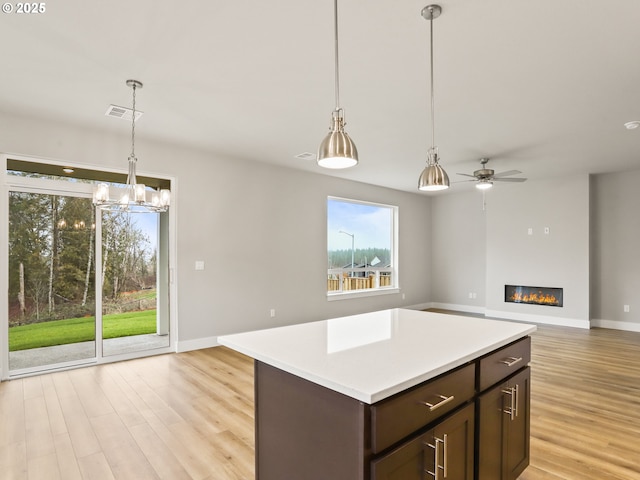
(431, 11)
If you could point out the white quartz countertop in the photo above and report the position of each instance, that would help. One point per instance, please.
(372, 356)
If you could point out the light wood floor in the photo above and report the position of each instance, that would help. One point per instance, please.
(190, 415)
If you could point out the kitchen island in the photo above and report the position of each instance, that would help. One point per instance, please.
(370, 396)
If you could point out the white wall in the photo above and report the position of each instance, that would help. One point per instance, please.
(459, 251)
(261, 230)
(559, 259)
(483, 251)
(615, 250)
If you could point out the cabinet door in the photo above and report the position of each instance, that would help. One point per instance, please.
(455, 458)
(445, 452)
(517, 431)
(491, 424)
(503, 429)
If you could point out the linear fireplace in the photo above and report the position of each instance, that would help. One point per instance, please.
(533, 295)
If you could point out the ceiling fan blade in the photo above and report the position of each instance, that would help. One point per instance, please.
(466, 175)
(509, 179)
(462, 181)
(507, 173)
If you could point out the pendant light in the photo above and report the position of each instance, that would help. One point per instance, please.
(337, 150)
(133, 197)
(433, 177)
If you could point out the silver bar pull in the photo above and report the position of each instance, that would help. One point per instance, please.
(444, 400)
(511, 361)
(511, 410)
(436, 467)
(446, 456)
(515, 403)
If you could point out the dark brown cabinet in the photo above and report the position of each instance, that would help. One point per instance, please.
(471, 422)
(444, 452)
(503, 428)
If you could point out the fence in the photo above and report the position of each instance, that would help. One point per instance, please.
(344, 279)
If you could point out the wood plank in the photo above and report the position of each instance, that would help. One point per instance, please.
(192, 413)
(123, 454)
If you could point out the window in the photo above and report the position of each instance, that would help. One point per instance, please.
(361, 253)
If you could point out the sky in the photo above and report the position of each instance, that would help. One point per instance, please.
(370, 224)
(148, 223)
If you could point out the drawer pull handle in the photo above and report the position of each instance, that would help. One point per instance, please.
(433, 406)
(511, 361)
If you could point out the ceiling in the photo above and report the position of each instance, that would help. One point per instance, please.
(543, 87)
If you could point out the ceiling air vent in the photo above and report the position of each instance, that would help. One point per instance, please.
(122, 112)
(306, 156)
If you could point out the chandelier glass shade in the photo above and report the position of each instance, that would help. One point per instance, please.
(133, 197)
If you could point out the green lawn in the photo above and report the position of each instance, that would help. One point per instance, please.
(61, 332)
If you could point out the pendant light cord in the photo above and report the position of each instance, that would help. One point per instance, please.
(337, 67)
(433, 122)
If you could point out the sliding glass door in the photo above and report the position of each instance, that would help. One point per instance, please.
(129, 270)
(51, 280)
(84, 285)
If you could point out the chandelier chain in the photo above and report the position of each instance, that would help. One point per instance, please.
(133, 124)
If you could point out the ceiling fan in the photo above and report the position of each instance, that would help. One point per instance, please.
(485, 177)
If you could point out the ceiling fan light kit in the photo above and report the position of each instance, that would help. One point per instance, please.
(484, 185)
(433, 177)
(486, 176)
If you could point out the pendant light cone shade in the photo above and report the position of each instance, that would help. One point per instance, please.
(337, 150)
(433, 177)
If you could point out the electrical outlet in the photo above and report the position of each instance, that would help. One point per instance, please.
(475, 295)
(546, 230)
(403, 296)
(530, 231)
(199, 264)
(272, 312)
(470, 295)
(626, 308)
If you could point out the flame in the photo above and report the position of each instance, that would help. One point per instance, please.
(538, 297)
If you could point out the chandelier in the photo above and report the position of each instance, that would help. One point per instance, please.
(134, 197)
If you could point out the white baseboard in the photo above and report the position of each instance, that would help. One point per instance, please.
(541, 319)
(197, 344)
(616, 325)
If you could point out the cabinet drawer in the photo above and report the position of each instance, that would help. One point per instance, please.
(500, 364)
(395, 418)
